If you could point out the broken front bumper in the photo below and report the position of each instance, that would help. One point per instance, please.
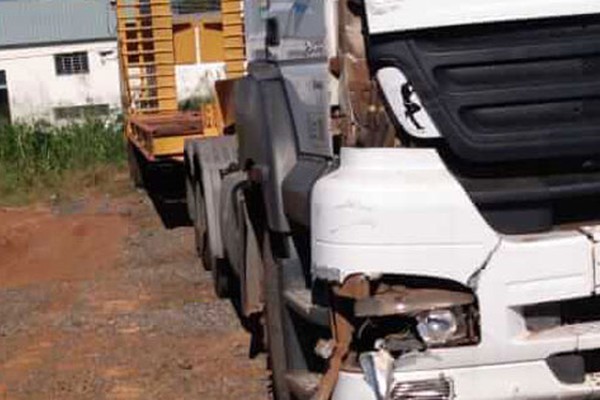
(400, 213)
(529, 380)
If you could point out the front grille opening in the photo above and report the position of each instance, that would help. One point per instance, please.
(572, 368)
(541, 317)
(591, 360)
(518, 109)
(506, 92)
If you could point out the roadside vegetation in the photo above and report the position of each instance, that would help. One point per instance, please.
(41, 162)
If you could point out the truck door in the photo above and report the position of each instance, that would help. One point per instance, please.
(296, 30)
(296, 34)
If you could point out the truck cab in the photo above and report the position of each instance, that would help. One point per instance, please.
(495, 193)
(459, 261)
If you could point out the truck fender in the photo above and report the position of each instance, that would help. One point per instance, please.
(240, 241)
(253, 299)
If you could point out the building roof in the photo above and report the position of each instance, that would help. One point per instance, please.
(26, 23)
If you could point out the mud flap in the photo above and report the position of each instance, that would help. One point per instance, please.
(252, 292)
(241, 246)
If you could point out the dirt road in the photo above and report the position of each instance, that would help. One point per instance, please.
(99, 301)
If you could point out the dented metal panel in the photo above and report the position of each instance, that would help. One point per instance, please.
(396, 211)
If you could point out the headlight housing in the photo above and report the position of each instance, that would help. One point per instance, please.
(442, 327)
(436, 317)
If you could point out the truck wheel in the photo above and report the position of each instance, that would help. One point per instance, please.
(220, 273)
(190, 191)
(200, 225)
(275, 332)
(295, 371)
(134, 160)
(218, 267)
(221, 279)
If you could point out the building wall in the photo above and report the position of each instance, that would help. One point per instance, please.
(35, 89)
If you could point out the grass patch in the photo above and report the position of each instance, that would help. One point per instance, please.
(39, 161)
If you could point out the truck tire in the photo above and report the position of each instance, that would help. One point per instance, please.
(200, 224)
(296, 370)
(219, 267)
(275, 332)
(221, 278)
(222, 282)
(190, 190)
(134, 161)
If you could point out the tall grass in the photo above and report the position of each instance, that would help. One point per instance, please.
(39, 158)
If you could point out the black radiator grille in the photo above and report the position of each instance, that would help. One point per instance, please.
(527, 90)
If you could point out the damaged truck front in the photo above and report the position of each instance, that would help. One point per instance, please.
(450, 249)
(464, 263)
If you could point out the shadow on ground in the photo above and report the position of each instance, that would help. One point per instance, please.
(165, 185)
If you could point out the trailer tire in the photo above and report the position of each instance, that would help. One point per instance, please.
(134, 161)
(275, 332)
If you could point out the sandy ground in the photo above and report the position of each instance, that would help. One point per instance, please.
(99, 301)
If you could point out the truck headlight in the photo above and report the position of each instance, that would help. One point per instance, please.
(436, 317)
(437, 327)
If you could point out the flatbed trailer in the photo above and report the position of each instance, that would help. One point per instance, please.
(155, 129)
(160, 136)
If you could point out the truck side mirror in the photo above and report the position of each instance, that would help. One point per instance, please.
(273, 38)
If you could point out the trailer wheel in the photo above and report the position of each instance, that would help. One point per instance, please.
(275, 331)
(134, 161)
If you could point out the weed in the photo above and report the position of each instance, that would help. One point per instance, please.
(39, 159)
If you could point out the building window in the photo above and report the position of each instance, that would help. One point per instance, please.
(72, 63)
(81, 112)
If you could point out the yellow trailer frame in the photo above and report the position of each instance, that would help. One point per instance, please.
(154, 125)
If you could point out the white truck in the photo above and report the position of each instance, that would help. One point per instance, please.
(460, 262)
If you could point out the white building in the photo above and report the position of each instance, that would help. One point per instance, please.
(58, 59)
